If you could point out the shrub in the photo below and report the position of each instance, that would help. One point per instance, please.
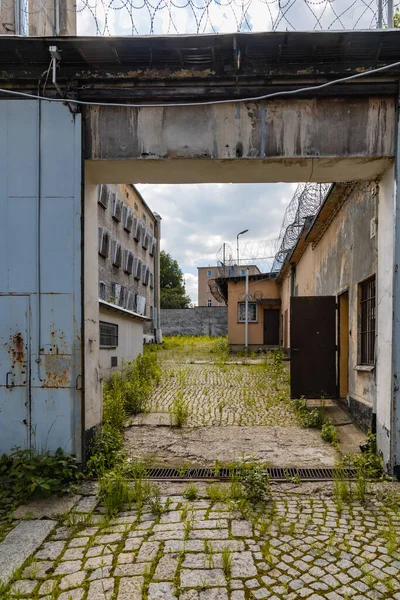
(26, 472)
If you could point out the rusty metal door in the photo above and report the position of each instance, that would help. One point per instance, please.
(313, 347)
(15, 371)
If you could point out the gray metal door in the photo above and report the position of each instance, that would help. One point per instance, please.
(15, 371)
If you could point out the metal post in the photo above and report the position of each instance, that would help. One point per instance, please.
(223, 258)
(57, 17)
(17, 17)
(237, 251)
(246, 318)
(380, 14)
(390, 14)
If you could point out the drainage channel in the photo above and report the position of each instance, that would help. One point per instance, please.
(288, 475)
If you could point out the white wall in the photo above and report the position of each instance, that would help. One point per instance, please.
(384, 307)
(130, 340)
(93, 400)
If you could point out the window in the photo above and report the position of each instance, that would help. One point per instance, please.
(108, 335)
(252, 312)
(208, 302)
(102, 290)
(209, 273)
(367, 330)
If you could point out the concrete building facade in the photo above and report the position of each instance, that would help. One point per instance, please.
(205, 274)
(265, 140)
(337, 256)
(128, 259)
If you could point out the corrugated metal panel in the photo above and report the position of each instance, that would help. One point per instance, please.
(53, 404)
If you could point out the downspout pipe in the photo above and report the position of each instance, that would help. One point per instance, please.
(157, 320)
(38, 240)
(292, 279)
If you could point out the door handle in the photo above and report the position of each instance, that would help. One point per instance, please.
(295, 349)
(7, 380)
(78, 382)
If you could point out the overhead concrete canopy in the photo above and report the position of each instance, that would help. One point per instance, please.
(338, 133)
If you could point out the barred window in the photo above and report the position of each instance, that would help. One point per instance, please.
(108, 335)
(252, 312)
(367, 330)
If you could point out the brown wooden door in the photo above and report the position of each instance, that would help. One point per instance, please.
(271, 327)
(313, 347)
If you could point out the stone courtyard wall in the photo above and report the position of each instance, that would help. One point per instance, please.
(201, 320)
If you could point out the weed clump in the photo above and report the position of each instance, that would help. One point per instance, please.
(125, 393)
(24, 473)
(179, 411)
(308, 418)
(221, 347)
(329, 432)
(190, 493)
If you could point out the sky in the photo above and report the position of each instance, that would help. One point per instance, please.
(198, 218)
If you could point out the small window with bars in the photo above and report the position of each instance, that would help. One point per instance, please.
(367, 329)
(108, 335)
(252, 312)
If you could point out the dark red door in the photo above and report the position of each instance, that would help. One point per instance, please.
(313, 346)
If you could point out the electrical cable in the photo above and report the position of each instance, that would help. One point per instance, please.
(208, 102)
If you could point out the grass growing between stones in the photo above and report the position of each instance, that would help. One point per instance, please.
(237, 394)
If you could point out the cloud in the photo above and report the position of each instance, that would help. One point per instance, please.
(197, 219)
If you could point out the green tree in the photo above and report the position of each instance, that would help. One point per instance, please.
(173, 293)
(397, 18)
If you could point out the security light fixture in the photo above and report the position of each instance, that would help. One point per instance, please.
(237, 244)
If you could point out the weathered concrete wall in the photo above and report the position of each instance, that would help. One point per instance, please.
(322, 139)
(202, 320)
(343, 258)
(130, 340)
(386, 379)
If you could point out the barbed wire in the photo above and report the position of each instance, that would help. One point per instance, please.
(304, 205)
(253, 253)
(269, 255)
(142, 17)
(224, 16)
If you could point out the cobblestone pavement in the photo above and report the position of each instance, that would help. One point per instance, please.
(226, 394)
(301, 546)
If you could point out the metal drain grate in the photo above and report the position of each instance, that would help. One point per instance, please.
(274, 473)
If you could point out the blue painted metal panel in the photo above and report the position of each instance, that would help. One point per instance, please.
(21, 243)
(55, 328)
(22, 144)
(58, 160)
(57, 233)
(14, 371)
